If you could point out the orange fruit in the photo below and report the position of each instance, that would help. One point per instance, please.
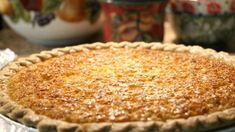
(6, 7)
(72, 10)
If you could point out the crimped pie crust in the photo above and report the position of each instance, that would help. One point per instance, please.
(44, 124)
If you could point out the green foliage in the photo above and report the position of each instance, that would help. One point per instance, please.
(19, 12)
(49, 6)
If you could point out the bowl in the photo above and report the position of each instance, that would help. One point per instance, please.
(53, 22)
(210, 24)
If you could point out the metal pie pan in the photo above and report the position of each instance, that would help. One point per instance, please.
(7, 125)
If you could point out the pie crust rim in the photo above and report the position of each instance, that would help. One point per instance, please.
(44, 124)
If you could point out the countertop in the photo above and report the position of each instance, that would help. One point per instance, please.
(10, 39)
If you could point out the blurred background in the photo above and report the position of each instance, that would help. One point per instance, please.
(30, 26)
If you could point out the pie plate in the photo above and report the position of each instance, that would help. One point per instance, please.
(7, 125)
(145, 87)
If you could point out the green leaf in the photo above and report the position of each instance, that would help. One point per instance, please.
(93, 11)
(14, 18)
(159, 18)
(146, 37)
(49, 6)
(26, 16)
(19, 12)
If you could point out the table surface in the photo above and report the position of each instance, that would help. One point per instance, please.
(10, 39)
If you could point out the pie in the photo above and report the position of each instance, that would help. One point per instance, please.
(121, 87)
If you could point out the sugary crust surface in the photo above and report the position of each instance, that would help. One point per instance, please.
(197, 85)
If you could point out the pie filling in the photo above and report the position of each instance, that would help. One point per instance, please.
(121, 84)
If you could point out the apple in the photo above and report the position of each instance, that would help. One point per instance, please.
(32, 5)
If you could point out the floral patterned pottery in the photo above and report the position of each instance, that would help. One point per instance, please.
(209, 23)
(53, 22)
(128, 20)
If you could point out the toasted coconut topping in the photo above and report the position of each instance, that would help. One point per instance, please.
(124, 84)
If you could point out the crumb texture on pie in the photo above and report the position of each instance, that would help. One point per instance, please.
(121, 84)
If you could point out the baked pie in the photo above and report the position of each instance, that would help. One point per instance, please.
(121, 87)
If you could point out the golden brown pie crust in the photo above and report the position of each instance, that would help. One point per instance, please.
(197, 114)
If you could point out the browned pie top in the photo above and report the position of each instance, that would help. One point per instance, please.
(119, 85)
